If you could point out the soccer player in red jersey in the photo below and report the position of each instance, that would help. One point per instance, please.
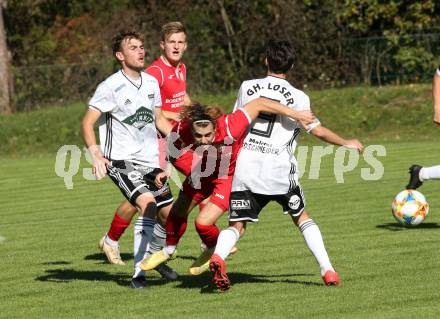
(170, 73)
(204, 146)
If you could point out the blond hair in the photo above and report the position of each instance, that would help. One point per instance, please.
(171, 28)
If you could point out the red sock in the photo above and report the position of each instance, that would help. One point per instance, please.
(208, 234)
(117, 227)
(175, 227)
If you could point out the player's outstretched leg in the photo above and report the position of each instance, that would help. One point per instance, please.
(414, 177)
(313, 238)
(219, 276)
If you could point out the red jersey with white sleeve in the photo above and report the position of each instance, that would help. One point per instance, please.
(172, 83)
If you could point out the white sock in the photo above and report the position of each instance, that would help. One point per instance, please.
(313, 239)
(158, 240)
(432, 172)
(169, 250)
(143, 231)
(111, 242)
(226, 241)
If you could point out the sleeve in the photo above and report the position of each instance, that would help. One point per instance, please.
(235, 124)
(103, 99)
(438, 71)
(155, 72)
(239, 102)
(303, 104)
(157, 98)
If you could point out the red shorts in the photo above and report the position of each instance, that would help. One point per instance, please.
(218, 189)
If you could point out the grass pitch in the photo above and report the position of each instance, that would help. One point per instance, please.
(50, 266)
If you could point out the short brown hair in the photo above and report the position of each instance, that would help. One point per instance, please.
(125, 35)
(171, 28)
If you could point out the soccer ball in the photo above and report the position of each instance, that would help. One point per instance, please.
(410, 207)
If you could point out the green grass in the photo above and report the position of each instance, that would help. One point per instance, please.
(392, 113)
(50, 266)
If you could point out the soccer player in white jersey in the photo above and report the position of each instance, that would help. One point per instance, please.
(268, 149)
(419, 174)
(127, 106)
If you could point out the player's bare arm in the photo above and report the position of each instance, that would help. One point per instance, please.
(187, 100)
(162, 123)
(171, 115)
(331, 137)
(260, 104)
(436, 96)
(99, 162)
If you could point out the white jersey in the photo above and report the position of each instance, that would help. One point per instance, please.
(127, 129)
(438, 71)
(266, 164)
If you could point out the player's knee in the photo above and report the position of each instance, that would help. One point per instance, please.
(162, 214)
(146, 205)
(126, 210)
(205, 219)
(240, 227)
(300, 218)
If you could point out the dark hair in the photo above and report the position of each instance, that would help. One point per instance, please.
(125, 35)
(280, 56)
(200, 112)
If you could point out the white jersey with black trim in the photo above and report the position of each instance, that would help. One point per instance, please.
(438, 71)
(266, 163)
(127, 129)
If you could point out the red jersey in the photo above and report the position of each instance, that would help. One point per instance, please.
(172, 83)
(219, 158)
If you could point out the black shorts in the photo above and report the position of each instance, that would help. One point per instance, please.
(245, 205)
(134, 180)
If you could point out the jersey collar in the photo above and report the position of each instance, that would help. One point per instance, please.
(129, 80)
(168, 63)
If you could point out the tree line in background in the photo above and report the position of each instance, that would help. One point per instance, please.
(59, 50)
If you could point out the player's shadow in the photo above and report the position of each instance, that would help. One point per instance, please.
(56, 263)
(203, 282)
(398, 227)
(103, 259)
(68, 275)
(125, 256)
(186, 257)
